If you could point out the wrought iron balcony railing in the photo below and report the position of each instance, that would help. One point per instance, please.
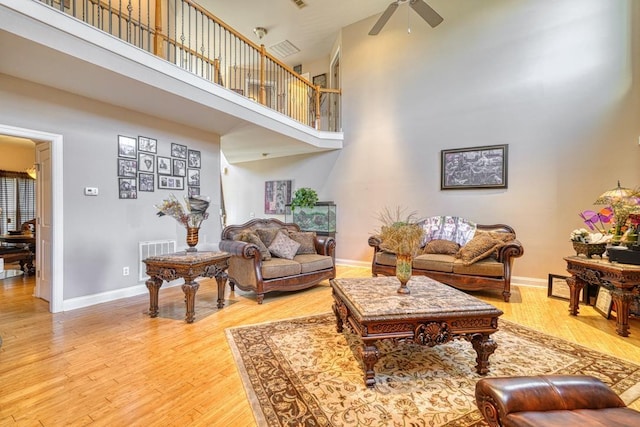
(191, 37)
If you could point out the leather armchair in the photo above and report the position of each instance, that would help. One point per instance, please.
(550, 401)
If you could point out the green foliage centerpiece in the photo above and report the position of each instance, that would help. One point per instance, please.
(401, 235)
(304, 197)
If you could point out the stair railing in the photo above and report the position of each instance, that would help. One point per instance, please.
(184, 33)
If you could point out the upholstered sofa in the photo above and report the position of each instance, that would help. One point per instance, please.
(459, 253)
(551, 400)
(260, 264)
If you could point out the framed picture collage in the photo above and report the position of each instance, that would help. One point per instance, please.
(139, 165)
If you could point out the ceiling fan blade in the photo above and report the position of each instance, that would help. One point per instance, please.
(383, 19)
(426, 12)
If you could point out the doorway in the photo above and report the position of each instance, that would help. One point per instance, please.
(49, 208)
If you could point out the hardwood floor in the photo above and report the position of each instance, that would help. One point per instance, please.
(111, 364)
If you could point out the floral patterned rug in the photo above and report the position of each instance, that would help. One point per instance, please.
(302, 372)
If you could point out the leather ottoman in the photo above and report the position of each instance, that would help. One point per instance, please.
(552, 400)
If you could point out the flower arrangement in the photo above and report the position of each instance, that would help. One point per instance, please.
(400, 234)
(580, 235)
(191, 215)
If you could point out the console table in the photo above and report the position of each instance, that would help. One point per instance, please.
(189, 266)
(623, 280)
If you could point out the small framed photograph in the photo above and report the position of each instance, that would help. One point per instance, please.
(127, 147)
(146, 162)
(148, 145)
(194, 159)
(179, 167)
(193, 177)
(475, 167)
(178, 150)
(193, 191)
(127, 167)
(171, 182)
(146, 181)
(127, 188)
(320, 80)
(603, 302)
(164, 165)
(558, 288)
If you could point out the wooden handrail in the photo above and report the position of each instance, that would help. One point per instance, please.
(141, 23)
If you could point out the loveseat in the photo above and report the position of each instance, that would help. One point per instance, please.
(551, 400)
(459, 253)
(264, 259)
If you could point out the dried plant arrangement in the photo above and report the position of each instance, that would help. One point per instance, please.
(400, 232)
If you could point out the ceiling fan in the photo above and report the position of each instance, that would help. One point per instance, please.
(424, 10)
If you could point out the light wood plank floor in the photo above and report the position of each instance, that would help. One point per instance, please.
(112, 365)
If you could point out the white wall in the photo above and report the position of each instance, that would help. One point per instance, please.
(101, 234)
(554, 80)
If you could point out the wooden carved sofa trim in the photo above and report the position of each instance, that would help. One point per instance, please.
(250, 273)
(467, 282)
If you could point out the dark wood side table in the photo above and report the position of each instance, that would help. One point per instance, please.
(623, 280)
(189, 266)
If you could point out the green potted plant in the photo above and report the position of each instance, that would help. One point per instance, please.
(304, 197)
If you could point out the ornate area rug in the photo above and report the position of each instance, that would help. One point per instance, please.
(301, 372)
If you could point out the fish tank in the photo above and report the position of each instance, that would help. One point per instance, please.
(321, 218)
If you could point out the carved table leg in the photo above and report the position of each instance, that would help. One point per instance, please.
(623, 300)
(153, 284)
(575, 286)
(221, 279)
(190, 287)
(370, 355)
(338, 320)
(484, 347)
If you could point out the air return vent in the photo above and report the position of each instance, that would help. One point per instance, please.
(283, 49)
(153, 248)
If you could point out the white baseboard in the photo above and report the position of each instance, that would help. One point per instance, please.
(141, 288)
(529, 281)
(353, 263)
(132, 291)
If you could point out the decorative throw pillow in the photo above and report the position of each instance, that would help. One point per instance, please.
(283, 247)
(307, 240)
(480, 247)
(440, 246)
(505, 237)
(251, 237)
(267, 235)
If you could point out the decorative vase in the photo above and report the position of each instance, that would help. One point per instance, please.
(589, 249)
(192, 238)
(403, 271)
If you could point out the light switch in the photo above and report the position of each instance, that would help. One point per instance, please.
(90, 191)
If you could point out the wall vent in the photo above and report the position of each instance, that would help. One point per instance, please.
(153, 248)
(283, 49)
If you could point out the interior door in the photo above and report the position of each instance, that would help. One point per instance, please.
(43, 223)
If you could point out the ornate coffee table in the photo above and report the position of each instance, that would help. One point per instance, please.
(189, 266)
(432, 314)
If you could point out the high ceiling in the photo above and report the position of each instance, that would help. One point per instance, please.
(313, 29)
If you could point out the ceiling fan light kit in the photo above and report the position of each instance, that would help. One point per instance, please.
(425, 11)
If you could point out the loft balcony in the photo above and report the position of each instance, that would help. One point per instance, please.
(173, 60)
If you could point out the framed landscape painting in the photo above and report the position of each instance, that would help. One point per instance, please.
(475, 167)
